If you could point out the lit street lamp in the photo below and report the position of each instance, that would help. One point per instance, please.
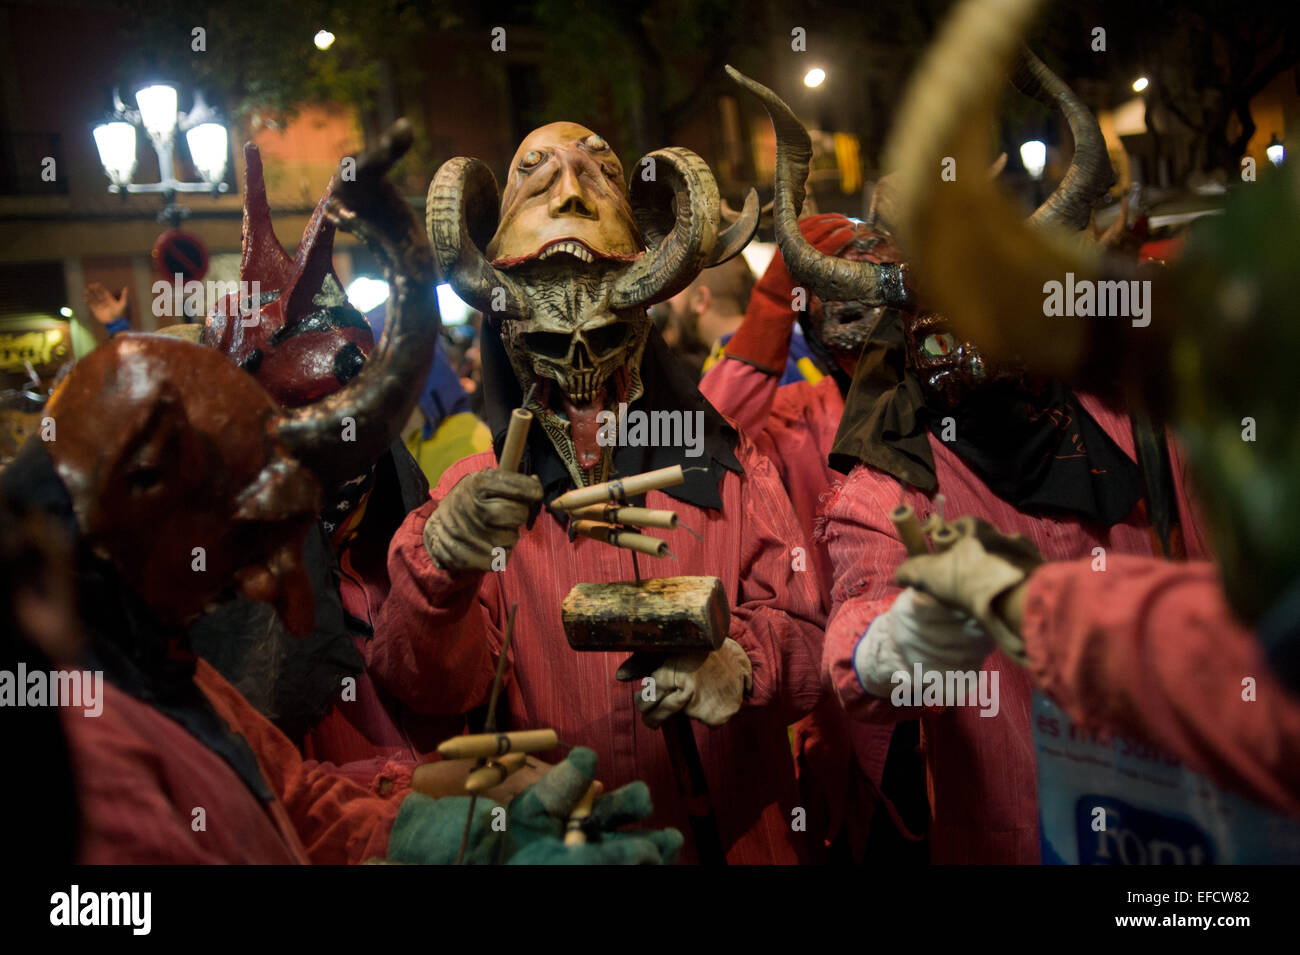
(157, 115)
(1275, 151)
(1033, 155)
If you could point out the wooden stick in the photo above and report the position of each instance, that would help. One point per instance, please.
(573, 834)
(909, 530)
(490, 721)
(621, 489)
(512, 451)
(484, 745)
(636, 516)
(609, 534)
(494, 773)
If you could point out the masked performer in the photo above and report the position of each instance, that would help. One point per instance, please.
(179, 478)
(1157, 650)
(794, 425)
(928, 414)
(564, 277)
(306, 343)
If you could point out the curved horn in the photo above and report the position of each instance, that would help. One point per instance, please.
(460, 214)
(1090, 174)
(977, 260)
(677, 211)
(743, 224)
(341, 436)
(832, 279)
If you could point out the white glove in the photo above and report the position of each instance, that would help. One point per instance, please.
(918, 629)
(709, 686)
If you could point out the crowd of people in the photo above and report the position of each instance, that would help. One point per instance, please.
(972, 610)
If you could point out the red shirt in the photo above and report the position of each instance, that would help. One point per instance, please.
(1149, 650)
(141, 776)
(794, 426)
(982, 771)
(439, 635)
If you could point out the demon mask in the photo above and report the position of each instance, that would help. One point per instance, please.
(188, 477)
(569, 263)
(300, 338)
(869, 276)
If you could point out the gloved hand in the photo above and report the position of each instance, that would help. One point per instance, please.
(531, 829)
(982, 566)
(709, 686)
(764, 336)
(483, 511)
(918, 629)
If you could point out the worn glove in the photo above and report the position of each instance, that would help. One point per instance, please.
(709, 686)
(530, 831)
(918, 629)
(983, 565)
(483, 511)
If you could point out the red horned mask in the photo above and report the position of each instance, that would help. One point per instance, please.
(290, 325)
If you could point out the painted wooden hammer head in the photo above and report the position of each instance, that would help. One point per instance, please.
(662, 615)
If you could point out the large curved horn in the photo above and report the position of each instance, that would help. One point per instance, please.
(976, 259)
(677, 210)
(461, 214)
(341, 436)
(832, 279)
(1090, 174)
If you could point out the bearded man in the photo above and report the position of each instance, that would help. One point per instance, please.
(564, 276)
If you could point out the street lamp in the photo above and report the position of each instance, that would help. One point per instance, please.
(1033, 155)
(1275, 151)
(157, 114)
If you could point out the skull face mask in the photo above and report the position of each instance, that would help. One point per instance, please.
(572, 262)
(842, 327)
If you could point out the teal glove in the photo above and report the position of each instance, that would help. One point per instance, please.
(530, 831)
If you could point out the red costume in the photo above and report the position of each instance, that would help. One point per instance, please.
(439, 634)
(981, 769)
(794, 426)
(141, 776)
(1149, 649)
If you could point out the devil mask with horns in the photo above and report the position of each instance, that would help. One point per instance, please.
(565, 269)
(300, 338)
(170, 455)
(868, 278)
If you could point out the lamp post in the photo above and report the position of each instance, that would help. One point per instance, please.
(157, 114)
